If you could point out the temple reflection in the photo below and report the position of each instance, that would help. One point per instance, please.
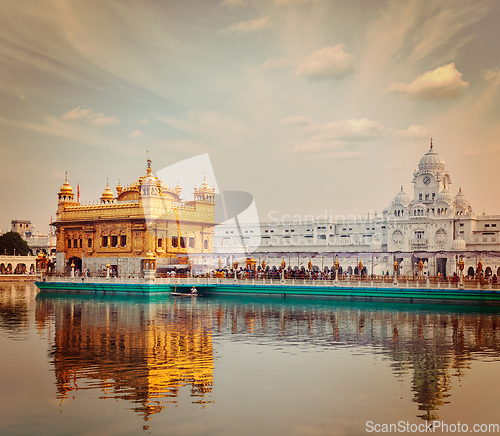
(430, 343)
(140, 353)
(146, 351)
(14, 307)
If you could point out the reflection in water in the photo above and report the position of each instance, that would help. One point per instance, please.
(14, 308)
(435, 343)
(145, 350)
(135, 352)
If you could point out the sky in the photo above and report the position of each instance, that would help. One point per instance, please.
(312, 106)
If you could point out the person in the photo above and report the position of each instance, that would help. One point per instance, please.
(194, 290)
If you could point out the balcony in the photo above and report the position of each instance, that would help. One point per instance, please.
(418, 244)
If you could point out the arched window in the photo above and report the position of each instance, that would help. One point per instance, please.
(205, 244)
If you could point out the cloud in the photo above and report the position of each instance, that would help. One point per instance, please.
(327, 63)
(54, 126)
(443, 83)
(353, 130)
(412, 132)
(233, 3)
(492, 150)
(314, 145)
(291, 2)
(96, 119)
(248, 26)
(334, 139)
(143, 121)
(298, 120)
(274, 63)
(136, 134)
(208, 124)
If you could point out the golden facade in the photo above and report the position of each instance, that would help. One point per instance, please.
(145, 216)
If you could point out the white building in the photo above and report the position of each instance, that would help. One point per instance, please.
(435, 227)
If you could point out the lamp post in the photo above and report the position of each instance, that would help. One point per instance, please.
(395, 267)
(108, 266)
(461, 268)
(337, 266)
(72, 269)
(235, 267)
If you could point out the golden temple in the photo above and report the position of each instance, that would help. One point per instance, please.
(120, 229)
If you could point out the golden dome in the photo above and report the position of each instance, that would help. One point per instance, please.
(107, 193)
(66, 188)
(204, 186)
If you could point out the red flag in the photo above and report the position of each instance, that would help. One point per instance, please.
(78, 190)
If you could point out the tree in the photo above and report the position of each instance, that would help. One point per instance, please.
(11, 241)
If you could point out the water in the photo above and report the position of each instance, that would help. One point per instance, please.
(91, 364)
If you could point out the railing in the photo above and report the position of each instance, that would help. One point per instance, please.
(375, 281)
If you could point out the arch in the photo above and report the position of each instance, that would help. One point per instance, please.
(498, 271)
(487, 271)
(76, 260)
(470, 271)
(20, 268)
(349, 270)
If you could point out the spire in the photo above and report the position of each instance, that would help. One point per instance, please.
(431, 142)
(149, 167)
(66, 177)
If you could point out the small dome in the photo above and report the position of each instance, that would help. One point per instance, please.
(461, 200)
(445, 196)
(204, 186)
(107, 193)
(458, 244)
(66, 188)
(402, 198)
(431, 161)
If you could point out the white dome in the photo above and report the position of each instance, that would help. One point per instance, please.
(445, 196)
(458, 244)
(402, 198)
(431, 161)
(461, 200)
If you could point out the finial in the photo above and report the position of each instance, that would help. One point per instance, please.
(401, 187)
(107, 182)
(66, 176)
(149, 167)
(431, 141)
(205, 177)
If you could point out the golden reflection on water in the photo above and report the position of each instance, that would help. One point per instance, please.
(137, 353)
(147, 351)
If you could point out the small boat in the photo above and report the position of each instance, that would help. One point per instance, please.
(193, 293)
